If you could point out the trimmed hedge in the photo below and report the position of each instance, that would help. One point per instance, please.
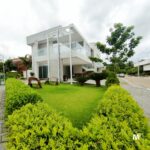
(18, 94)
(38, 127)
(112, 79)
(118, 117)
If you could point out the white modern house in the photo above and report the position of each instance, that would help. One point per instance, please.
(61, 51)
(144, 64)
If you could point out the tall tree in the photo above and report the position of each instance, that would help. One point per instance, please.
(9, 66)
(27, 62)
(119, 46)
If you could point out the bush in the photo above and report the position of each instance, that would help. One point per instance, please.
(98, 76)
(12, 75)
(38, 127)
(18, 94)
(117, 119)
(81, 80)
(112, 79)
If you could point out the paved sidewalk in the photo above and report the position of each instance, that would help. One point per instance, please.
(140, 93)
(2, 91)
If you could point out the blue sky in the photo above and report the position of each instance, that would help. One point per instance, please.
(93, 18)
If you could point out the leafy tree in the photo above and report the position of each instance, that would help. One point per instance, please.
(120, 46)
(27, 62)
(1, 66)
(9, 65)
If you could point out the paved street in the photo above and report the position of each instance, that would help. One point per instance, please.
(139, 87)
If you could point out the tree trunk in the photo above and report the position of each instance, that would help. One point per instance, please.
(98, 83)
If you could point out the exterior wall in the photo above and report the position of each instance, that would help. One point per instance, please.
(146, 67)
(77, 69)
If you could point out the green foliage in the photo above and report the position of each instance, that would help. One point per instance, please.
(9, 65)
(118, 118)
(38, 127)
(12, 75)
(120, 45)
(81, 79)
(18, 94)
(1, 66)
(98, 76)
(95, 59)
(111, 79)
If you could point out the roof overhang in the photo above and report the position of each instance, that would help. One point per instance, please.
(75, 61)
(52, 35)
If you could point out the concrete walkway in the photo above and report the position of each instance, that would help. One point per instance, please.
(140, 92)
(2, 94)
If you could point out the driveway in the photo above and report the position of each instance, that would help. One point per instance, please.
(139, 87)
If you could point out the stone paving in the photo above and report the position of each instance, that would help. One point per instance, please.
(140, 93)
(2, 94)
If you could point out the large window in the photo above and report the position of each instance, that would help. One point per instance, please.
(43, 72)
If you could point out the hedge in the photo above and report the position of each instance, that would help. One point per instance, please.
(118, 118)
(112, 79)
(18, 94)
(38, 127)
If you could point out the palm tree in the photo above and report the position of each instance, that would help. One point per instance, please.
(27, 61)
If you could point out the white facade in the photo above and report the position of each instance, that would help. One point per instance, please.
(59, 52)
(144, 63)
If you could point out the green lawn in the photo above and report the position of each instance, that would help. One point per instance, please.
(77, 103)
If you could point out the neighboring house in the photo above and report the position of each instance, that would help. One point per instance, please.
(61, 51)
(143, 65)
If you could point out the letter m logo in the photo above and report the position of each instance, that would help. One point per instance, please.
(136, 136)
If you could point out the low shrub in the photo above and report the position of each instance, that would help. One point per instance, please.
(118, 118)
(12, 75)
(18, 94)
(112, 79)
(38, 127)
(81, 80)
(98, 77)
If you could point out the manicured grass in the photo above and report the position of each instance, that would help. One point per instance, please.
(77, 103)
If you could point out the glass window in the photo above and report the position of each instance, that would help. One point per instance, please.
(42, 49)
(43, 72)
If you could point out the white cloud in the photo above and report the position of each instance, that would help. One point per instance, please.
(20, 18)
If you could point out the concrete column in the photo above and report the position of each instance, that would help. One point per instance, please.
(59, 65)
(70, 58)
(138, 70)
(48, 58)
(34, 61)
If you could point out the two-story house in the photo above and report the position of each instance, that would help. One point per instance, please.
(61, 51)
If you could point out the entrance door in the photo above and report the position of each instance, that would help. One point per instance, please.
(43, 72)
